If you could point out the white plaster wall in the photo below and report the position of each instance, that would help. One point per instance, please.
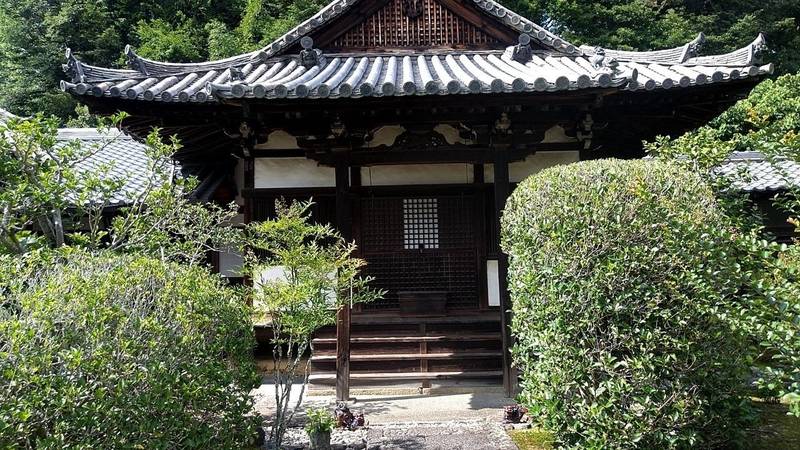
(394, 175)
(278, 139)
(518, 171)
(493, 282)
(292, 173)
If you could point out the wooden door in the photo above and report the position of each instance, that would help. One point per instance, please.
(424, 244)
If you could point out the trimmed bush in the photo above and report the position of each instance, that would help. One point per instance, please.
(102, 351)
(627, 290)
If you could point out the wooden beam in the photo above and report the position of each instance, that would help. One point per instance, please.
(343, 223)
(444, 154)
(502, 189)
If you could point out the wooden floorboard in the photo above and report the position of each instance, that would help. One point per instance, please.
(376, 319)
(431, 338)
(331, 377)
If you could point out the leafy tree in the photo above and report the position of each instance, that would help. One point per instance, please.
(40, 182)
(99, 350)
(45, 194)
(34, 34)
(163, 40)
(302, 273)
(768, 121)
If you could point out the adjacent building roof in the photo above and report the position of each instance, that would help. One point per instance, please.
(272, 73)
(123, 157)
(753, 172)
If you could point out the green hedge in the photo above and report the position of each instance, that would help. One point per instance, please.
(626, 285)
(101, 351)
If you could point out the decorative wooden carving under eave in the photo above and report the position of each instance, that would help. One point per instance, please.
(419, 140)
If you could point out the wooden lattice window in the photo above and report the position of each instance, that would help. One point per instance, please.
(420, 223)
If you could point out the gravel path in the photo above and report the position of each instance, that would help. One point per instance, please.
(452, 435)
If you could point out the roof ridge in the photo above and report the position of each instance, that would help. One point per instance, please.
(748, 55)
(675, 55)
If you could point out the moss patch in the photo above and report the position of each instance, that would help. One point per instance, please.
(532, 439)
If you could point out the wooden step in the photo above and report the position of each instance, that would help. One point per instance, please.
(394, 319)
(427, 338)
(410, 356)
(409, 376)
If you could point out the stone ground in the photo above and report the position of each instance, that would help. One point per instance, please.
(461, 420)
(476, 434)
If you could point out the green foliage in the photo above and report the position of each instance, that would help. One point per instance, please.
(767, 121)
(43, 190)
(162, 40)
(638, 306)
(108, 351)
(222, 42)
(262, 21)
(34, 33)
(320, 420)
(40, 182)
(163, 220)
(303, 273)
(318, 274)
(779, 333)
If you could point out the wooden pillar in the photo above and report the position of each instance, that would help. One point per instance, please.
(501, 192)
(343, 223)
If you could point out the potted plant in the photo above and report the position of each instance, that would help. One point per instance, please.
(319, 426)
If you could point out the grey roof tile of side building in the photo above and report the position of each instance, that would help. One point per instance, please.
(270, 73)
(119, 156)
(753, 172)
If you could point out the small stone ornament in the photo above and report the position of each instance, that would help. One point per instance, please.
(310, 56)
(598, 59)
(522, 52)
(514, 414)
(346, 419)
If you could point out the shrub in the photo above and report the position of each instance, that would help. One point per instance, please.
(103, 351)
(631, 306)
(319, 421)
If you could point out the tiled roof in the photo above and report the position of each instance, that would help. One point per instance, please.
(125, 158)
(752, 172)
(339, 76)
(271, 73)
